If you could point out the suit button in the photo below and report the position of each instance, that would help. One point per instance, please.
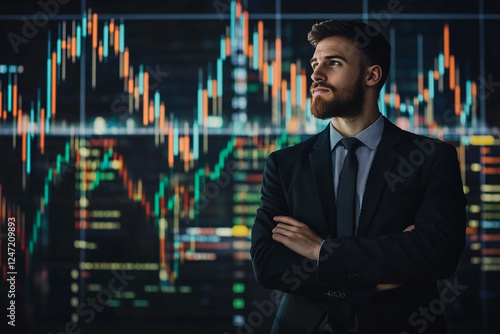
(336, 294)
(352, 276)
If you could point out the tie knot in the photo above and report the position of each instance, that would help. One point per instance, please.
(351, 143)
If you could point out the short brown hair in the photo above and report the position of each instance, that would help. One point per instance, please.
(374, 47)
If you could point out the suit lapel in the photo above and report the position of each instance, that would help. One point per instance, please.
(385, 158)
(321, 165)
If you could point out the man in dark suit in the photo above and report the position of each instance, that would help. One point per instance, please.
(366, 262)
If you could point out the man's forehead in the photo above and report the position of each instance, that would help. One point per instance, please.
(335, 45)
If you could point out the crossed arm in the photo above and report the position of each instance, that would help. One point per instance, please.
(280, 243)
(299, 238)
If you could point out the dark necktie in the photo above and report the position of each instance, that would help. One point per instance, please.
(346, 190)
(340, 313)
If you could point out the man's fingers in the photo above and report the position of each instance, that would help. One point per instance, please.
(288, 227)
(284, 229)
(384, 287)
(284, 236)
(287, 220)
(409, 228)
(279, 237)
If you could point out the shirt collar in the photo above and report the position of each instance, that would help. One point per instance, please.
(370, 136)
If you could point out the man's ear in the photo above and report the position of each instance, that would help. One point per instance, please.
(373, 75)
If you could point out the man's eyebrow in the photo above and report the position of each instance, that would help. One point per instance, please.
(330, 57)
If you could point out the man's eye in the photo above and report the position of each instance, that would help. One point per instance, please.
(334, 63)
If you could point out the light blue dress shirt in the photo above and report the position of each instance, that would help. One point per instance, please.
(370, 137)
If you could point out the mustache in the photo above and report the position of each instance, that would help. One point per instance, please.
(316, 85)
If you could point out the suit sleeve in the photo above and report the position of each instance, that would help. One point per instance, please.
(431, 251)
(276, 266)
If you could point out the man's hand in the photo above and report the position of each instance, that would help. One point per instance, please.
(302, 240)
(383, 287)
(297, 236)
(409, 228)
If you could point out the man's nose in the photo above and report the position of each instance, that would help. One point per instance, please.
(318, 74)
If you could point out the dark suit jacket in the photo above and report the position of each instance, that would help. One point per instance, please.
(413, 180)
